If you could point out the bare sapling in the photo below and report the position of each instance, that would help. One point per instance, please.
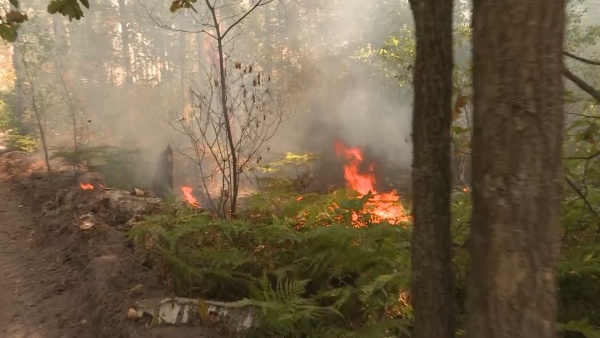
(35, 106)
(234, 114)
(253, 117)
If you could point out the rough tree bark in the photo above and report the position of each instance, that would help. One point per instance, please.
(432, 280)
(517, 168)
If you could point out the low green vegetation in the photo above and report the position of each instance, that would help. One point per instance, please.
(120, 167)
(10, 124)
(303, 263)
(313, 273)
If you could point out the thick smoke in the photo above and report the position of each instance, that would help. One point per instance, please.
(364, 108)
(341, 97)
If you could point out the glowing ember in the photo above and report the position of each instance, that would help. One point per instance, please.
(189, 197)
(383, 206)
(86, 186)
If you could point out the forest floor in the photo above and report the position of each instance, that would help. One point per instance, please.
(57, 281)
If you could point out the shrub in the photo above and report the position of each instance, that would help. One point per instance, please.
(330, 281)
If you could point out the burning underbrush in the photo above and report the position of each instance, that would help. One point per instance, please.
(315, 280)
(328, 264)
(319, 264)
(305, 261)
(289, 188)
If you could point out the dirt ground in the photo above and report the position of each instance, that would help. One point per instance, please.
(58, 281)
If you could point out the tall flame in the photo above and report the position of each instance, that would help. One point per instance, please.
(189, 196)
(383, 206)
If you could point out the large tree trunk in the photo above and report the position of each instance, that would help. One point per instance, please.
(432, 281)
(517, 168)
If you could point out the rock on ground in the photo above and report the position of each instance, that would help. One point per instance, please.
(3, 143)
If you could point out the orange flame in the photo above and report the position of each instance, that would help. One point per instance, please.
(382, 206)
(189, 197)
(86, 186)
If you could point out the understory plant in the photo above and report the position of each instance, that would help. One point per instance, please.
(332, 280)
(119, 167)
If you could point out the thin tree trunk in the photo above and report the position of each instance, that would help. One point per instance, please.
(19, 82)
(125, 43)
(183, 74)
(60, 42)
(268, 41)
(517, 168)
(432, 280)
(36, 109)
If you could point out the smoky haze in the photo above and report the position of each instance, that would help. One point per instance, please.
(310, 49)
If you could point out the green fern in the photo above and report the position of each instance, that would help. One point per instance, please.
(315, 280)
(582, 327)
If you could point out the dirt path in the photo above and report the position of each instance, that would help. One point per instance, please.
(59, 282)
(31, 285)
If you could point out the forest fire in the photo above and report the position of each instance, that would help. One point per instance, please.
(382, 206)
(89, 186)
(189, 196)
(86, 186)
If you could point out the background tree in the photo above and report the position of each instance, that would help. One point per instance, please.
(432, 281)
(518, 173)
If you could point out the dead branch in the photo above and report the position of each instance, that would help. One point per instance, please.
(583, 115)
(579, 58)
(235, 23)
(587, 203)
(581, 83)
(590, 157)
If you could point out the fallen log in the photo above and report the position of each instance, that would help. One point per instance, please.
(225, 317)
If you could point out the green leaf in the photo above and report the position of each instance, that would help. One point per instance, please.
(55, 6)
(8, 33)
(583, 327)
(175, 6)
(458, 130)
(68, 8)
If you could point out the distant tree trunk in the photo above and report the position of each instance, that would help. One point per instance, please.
(125, 43)
(60, 41)
(268, 40)
(432, 290)
(18, 67)
(517, 167)
(183, 74)
(19, 82)
(163, 44)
